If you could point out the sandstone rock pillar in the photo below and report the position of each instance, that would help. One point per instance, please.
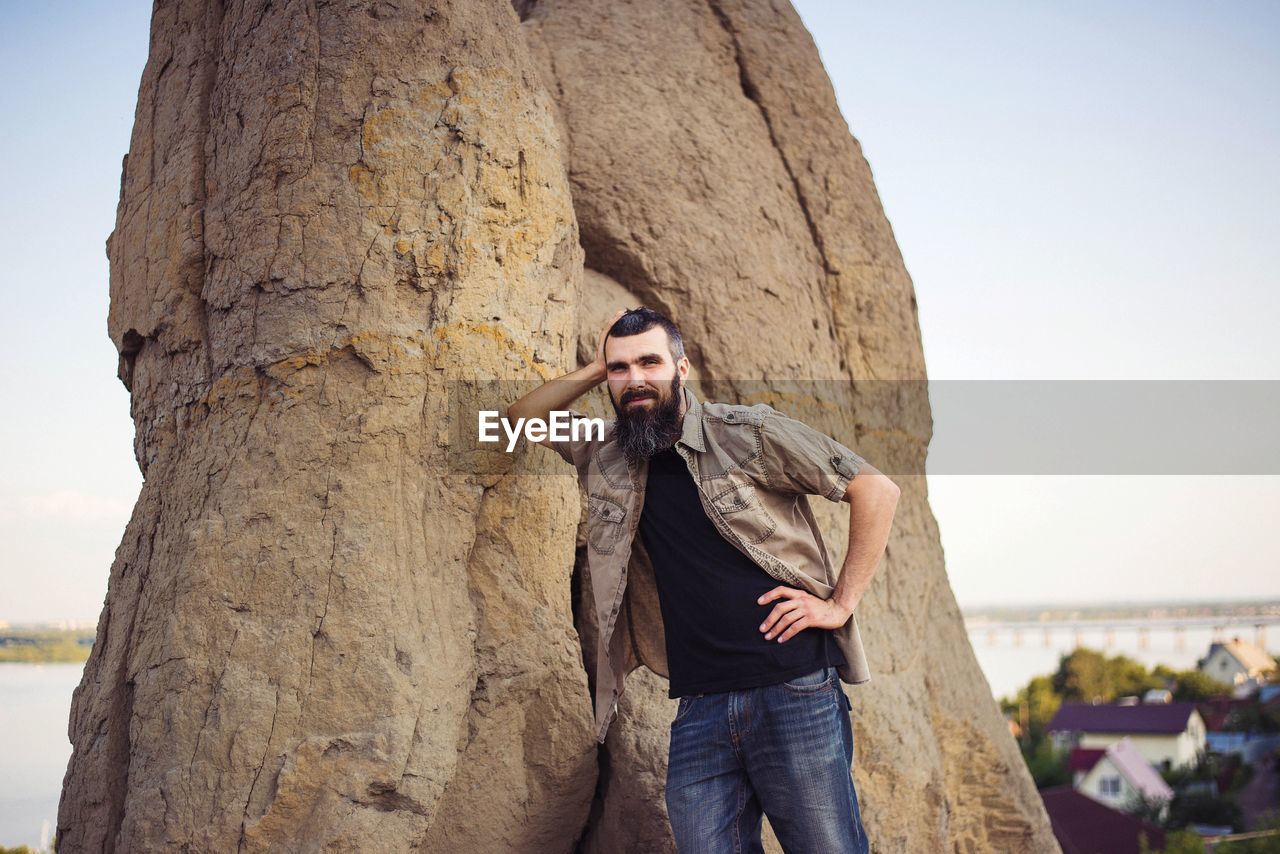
(317, 636)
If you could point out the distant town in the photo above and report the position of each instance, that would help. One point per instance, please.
(46, 643)
(1128, 759)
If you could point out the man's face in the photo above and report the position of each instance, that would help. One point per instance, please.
(644, 386)
(639, 370)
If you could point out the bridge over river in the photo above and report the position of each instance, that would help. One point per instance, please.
(1050, 631)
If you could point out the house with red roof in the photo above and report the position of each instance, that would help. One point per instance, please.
(1118, 776)
(1217, 712)
(1168, 735)
(1084, 826)
(1081, 760)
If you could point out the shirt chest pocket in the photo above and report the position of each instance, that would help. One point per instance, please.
(604, 523)
(740, 507)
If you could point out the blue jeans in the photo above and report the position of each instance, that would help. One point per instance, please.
(783, 750)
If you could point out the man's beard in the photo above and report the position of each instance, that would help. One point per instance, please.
(645, 430)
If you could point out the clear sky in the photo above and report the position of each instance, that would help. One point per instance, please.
(1080, 191)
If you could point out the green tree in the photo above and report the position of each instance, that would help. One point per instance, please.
(1147, 809)
(1205, 768)
(1202, 808)
(1086, 675)
(1196, 686)
(1033, 706)
(1048, 765)
(1081, 676)
(1130, 676)
(1178, 842)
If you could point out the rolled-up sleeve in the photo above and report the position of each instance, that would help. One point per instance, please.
(573, 451)
(800, 459)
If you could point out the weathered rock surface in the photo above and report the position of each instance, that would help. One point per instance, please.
(320, 636)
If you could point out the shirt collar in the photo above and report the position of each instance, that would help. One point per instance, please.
(691, 435)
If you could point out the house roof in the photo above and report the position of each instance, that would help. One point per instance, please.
(1084, 826)
(1144, 718)
(1084, 758)
(1252, 658)
(1135, 768)
(1216, 710)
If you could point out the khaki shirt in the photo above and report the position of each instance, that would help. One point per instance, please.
(753, 467)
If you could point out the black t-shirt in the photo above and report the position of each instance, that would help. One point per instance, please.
(707, 591)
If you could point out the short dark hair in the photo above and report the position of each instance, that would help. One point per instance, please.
(638, 320)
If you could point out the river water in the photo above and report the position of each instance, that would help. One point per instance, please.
(35, 703)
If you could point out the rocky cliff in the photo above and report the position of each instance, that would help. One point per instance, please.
(321, 635)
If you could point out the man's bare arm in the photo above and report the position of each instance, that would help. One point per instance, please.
(558, 393)
(873, 499)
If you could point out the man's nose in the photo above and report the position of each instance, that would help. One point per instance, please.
(635, 377)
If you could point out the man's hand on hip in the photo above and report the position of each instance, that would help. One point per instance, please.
(799, 610)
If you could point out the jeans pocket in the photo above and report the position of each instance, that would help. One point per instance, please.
(682, 710)
(809, 683)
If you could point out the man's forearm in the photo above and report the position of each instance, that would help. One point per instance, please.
(871, 509)
(557, 393)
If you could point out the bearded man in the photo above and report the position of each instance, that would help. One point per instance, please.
(756, 625)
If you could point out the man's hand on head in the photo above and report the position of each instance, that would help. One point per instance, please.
(599, 364)
(799, 610)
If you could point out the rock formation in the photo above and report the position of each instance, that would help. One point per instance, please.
(320, 635)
